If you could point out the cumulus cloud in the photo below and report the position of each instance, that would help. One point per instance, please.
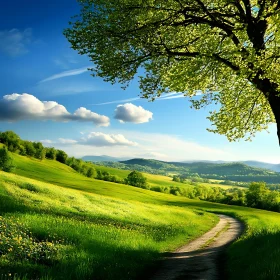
(131, 113)
(16, 107)
(63, 74)
(101, 139)
(94, 139)
(14, 42)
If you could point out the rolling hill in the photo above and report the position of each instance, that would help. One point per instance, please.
(58, 223)
(222, 171)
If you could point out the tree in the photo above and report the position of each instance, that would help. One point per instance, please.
(136, 179)
(257, 194)
(40, 150)
(6, 161)
(227, 51)
(61, 156)
(91, 173)
(51, 153)
(11, 140)
(29, 148)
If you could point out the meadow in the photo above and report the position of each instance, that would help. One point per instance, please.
(58, 224)
(55, 233)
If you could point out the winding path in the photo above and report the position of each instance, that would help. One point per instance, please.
(202, 258)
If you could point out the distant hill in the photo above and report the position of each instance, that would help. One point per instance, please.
(270, 166)
(252, 163)
(235, 171)
(102, 158)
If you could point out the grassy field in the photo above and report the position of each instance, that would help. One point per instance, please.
(54, 232)
(90, 229)
(220, 186)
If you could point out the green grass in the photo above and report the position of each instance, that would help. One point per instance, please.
(94, 236)
(103, 230)
(220, 186)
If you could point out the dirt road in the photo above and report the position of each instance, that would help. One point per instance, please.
(202, 258)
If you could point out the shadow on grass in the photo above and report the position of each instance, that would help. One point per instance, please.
(93, 260)
(255, 257)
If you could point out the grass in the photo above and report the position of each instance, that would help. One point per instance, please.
(104, 230)
(220, 186)
(86, 235)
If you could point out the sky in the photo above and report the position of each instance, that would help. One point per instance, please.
(47, 94)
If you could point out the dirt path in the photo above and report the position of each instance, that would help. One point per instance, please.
(201, 259)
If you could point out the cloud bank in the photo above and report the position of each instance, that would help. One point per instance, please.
(14, 42)
(95, 139)
(100, 139)
(131, 113)
(16, 107)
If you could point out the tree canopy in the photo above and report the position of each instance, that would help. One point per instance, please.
(225, 51)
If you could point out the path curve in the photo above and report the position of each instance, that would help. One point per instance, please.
(201, 258)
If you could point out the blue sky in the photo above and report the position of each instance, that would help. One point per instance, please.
(91, 117)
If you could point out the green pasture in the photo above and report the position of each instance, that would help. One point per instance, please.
(56, 222)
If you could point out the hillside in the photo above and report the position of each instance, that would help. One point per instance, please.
(82, 227)
(223, 171)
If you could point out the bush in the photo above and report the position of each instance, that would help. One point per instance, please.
(6, 161)
(136, 179)
(91, 173)
(51, 153)
(61, 156)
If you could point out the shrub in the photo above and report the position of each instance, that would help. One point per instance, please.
(91, 173)
(136, 179)
(6, 161)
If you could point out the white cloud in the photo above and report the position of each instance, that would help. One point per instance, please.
(67, 141)
(93, 139)
(83, 114)
(133, 144)
(131, 113)
(163, 97)
(68, 73)
(118, 101)
(16, 107)
(173, 97)
(46, 141)
(14, 42)
(101, 139)
(64, 87)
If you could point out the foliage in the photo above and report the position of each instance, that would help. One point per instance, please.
(228, 51)
(136, 179)
(11, 140)
(40, 150)
(51, 153)
(6, 161)
(61, 156)
(91, 173)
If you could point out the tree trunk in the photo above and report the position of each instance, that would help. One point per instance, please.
(274, 101)
(272, 95)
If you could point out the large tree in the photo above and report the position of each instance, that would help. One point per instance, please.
(227, 51)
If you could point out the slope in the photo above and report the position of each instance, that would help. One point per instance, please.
(114, 231)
